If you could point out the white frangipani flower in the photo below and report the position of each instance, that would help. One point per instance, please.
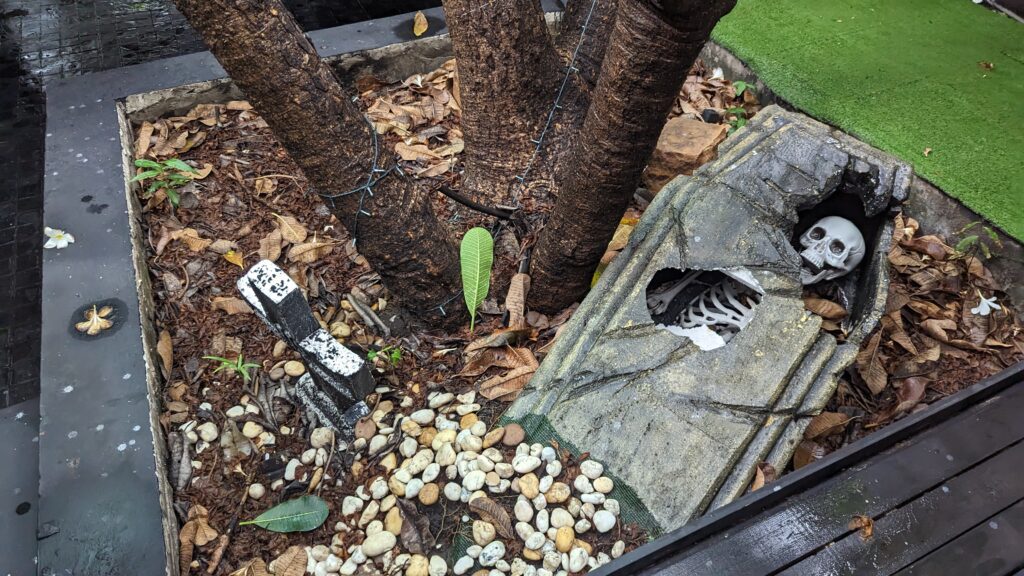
(986, 305)
(56, 238)
(717, 74)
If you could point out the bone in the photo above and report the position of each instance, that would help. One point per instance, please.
(659, 302)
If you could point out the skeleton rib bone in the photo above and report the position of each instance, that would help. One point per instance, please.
(727, 305)
(659, 302)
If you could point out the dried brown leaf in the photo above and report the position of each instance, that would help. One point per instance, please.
(910, 393)
(758, 482)
(235, 258)
(936, 328)
(415, 534)
(869, 365)
(291, 229)
(143, 139)
(807, 451)
(507, 386)
(270, 245)
(864, 524)
(310, 252)
(191, 239)
(254, 567)
(515, 300)
(499, 338)
(166, 351)
(825, 308)
(491, 511)
(95, 321)
(826, 424)
(291, 563)
(419, 24)
(231, 305)
(240, 105)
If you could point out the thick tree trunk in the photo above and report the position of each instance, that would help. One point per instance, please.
(264, 51)
(652, 46)
(598, 16)
(507, 83)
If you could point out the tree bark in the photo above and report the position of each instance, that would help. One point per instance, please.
(508, 77)
(598, 16)
(266, 54)
(652, 46)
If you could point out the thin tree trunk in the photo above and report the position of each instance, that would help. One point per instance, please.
(598, 16)
(508, 78)
(266, 54)
(652, 46)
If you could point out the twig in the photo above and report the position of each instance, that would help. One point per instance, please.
(369, 317)
(474, 205)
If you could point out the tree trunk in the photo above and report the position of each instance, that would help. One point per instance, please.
(266, 54)
(652, 46)
(508, 78)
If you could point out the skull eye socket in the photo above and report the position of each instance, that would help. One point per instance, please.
(817, 233)
(836, 247)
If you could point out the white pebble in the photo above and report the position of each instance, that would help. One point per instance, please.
(604, 485)
(491, 553)
(321, 437)
(525, 464)
(604, 521)
(523, 510)
(256, 491)
(379, 543)
(582, 484)
(463, 565)
(592, 469)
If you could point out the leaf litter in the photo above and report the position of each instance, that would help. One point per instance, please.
(252, 202)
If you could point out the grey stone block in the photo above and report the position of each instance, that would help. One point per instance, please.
(685, 428)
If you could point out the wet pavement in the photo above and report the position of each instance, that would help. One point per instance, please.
(45, 39)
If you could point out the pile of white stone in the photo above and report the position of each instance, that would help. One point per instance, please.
(445, 449)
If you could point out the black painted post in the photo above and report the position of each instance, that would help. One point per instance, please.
(336, 379)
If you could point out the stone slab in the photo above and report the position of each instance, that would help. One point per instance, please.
(19, 481)
(684, 428)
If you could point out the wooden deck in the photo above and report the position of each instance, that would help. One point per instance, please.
(944, 487)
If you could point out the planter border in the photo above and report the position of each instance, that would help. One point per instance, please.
(105, 503)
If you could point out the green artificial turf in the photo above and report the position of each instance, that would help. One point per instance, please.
(903, 75)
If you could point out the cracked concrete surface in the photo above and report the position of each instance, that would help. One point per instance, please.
(686, 428)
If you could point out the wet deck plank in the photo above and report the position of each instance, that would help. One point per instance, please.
(805, 523)
(924, 525)
(992, 548)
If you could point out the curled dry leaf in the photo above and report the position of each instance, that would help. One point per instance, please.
(143, 139)
(910, 393)
(807, 451)
(270, 245)
(291, 229)
(265, 185)
(507, 386)
(165, 349)
(95, 321)
(419, 24)
(310, 252)
(758, 482)
(826, 424)
(231, 305)
(863, 523)
(515, 300)
(869, 365)
(239, 105)
(499, 338)
(491, 511)
(196, 532)
(415, 533)
(235, 258)
(489, 358)
(191, 239)
(254, 567)
(827, 309)
(222, 246)
(291, 563)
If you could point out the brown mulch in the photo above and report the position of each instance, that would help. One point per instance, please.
(250, 188)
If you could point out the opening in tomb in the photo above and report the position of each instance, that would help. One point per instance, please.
(836, 240)
(707, 306)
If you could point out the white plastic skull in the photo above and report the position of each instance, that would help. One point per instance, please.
(833, 247)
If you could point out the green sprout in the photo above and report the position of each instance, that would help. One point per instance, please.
(973, 243)
(742, 87)
(238, 366)
(739, 119)
(171, 175)
(392, 354)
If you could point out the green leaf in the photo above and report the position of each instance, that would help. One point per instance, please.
(302, 514)
(178, 165)
(741, 87)
(993, 236)
(145, 175)
(173, 197)
(966, 243)
(143, 163)
(476, 255)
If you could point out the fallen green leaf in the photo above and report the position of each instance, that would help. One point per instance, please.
(476, 255)
(302, 514)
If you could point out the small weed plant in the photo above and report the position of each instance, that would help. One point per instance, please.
(983, 239)
(171, 175)
(239, 366)
(391, 354)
